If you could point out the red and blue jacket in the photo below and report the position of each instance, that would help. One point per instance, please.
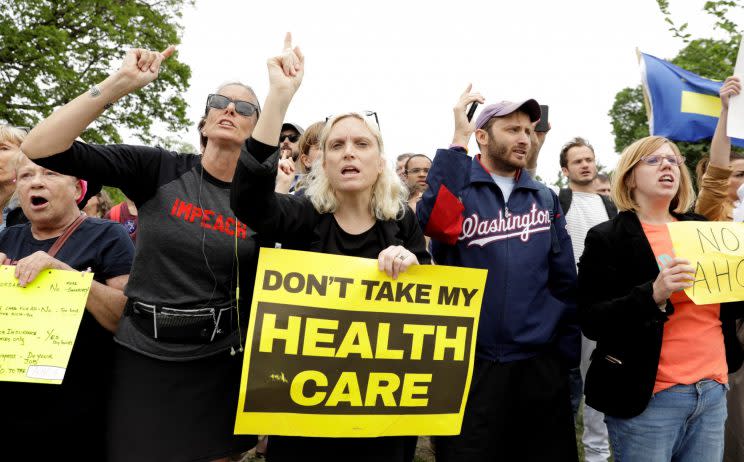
(529, 304)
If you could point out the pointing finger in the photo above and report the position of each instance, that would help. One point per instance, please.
(288, 41)
(168, 52)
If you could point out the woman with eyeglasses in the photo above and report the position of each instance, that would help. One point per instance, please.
(659, 372)
(178, 360)
(354, 205)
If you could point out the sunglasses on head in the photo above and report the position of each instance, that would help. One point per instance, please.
(244, 108)
(367, 114)
(291, 137)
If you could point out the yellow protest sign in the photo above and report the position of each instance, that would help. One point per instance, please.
(336, 348)
(716, 250)
(39, 323)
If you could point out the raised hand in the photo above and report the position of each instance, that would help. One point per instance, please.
(287, 69)
(731, 87)
(284, 175)
(140, 66)
(463, 128)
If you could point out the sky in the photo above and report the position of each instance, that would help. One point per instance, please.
(410, 60)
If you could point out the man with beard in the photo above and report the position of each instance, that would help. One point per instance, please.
(584, 208)
(487, 212)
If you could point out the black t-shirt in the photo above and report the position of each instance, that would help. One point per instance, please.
(186, 237)
(368, 244)
(38, 412)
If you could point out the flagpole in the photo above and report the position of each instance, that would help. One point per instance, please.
(646, 102)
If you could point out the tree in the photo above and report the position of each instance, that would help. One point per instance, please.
(54, 50)
(710, 58)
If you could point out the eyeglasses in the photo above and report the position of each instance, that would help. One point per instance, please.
(292, 138)
(244, 108)
(656, 159)
(365, 114)
(417, 170)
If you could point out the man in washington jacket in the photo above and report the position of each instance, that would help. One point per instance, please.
(487, 212)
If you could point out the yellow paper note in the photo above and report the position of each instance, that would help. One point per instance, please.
(39, 323)
(337, 348)
(716, 250)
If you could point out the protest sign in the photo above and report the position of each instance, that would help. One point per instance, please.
(716, 250)
(337, 348)
(39, 323)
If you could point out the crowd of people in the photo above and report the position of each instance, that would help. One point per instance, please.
(584, 304)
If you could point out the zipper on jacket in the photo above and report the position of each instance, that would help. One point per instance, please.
(613, 359)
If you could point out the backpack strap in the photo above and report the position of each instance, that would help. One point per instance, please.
(609, 207)
(565, 196)
(547, 197)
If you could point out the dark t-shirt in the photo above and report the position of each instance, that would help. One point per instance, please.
(39, 414)
(186, 237)
(368, 244)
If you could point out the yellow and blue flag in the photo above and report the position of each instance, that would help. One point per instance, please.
(684, 106)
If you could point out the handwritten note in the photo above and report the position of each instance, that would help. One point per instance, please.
(39, 323)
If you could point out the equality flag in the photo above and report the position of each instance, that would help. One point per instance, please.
(684, 106)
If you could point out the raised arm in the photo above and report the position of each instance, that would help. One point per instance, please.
(285, 76)
(440, 209)
(720, 146)
(713, 202)
(286, 218)
(57, 132)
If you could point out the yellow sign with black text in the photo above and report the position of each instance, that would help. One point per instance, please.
(336, 348)
(716, 250)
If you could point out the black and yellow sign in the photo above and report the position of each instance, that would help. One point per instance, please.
(340, 349)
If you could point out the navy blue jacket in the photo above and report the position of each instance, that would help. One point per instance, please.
(529, 304)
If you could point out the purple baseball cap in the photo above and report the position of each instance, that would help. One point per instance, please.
(505, 108)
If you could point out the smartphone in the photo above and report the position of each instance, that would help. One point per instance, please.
(471, 111)
(542, 125)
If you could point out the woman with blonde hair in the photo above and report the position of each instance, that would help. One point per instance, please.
(659, 373)
(355, 205)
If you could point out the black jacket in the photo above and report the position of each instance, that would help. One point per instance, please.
(617, 309)
(293, 220)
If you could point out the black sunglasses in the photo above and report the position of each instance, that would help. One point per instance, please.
(292, 138)
(244, 108)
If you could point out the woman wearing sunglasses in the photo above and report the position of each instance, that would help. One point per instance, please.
(355, 205)
(659, 373)
(179, 347)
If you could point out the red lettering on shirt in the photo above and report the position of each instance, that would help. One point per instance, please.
(204, 217)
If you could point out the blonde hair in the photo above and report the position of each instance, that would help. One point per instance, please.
(623, 179)
(11, 134)
(388, 193)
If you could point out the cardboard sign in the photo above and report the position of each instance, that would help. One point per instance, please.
(337, 348)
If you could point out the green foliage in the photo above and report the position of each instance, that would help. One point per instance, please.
(707, 57)
(54, 50)
(629, 121)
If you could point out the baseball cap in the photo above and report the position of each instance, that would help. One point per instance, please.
(505, 108)
(293, 126)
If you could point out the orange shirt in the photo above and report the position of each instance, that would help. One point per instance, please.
(692, 347)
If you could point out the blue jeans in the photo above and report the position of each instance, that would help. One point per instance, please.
(683, 423)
